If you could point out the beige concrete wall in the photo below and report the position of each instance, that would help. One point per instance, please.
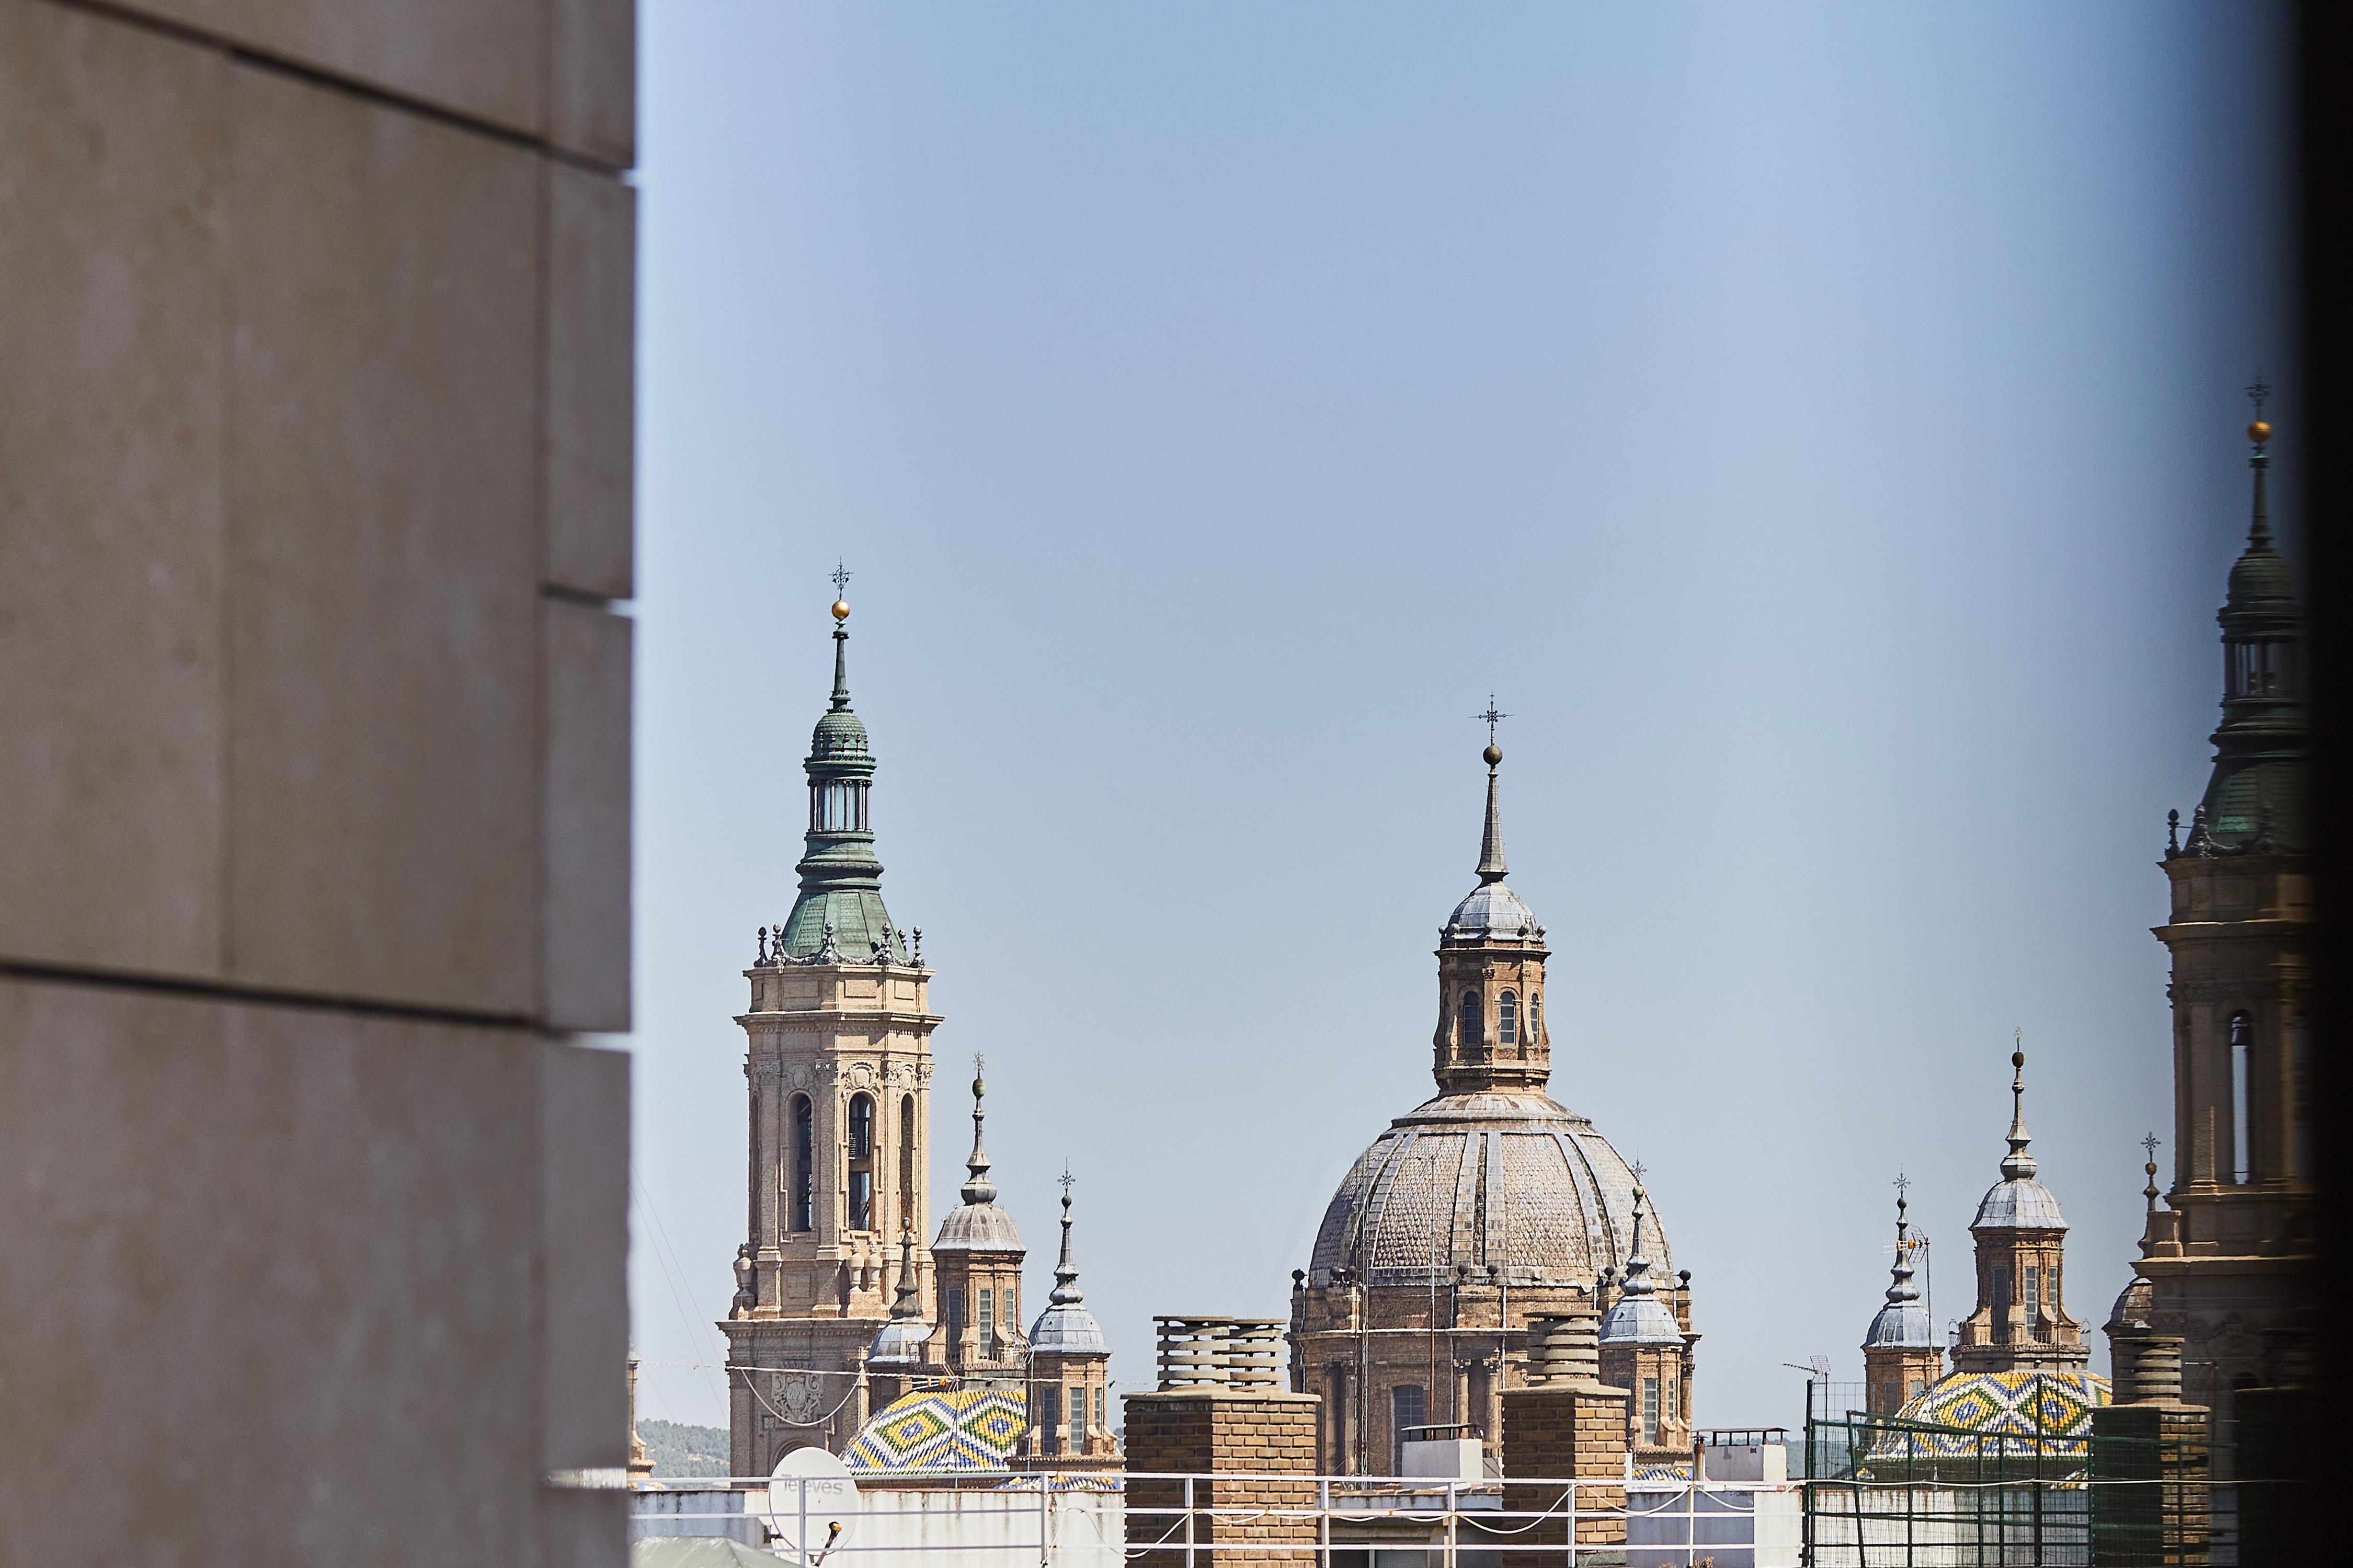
(315, 516)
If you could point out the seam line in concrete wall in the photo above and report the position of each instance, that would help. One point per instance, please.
(319, 76)
(168, 985)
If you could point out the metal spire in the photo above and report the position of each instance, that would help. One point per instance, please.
(909, 1303)
(1066, 1273)
(1899, 1288)
(2149, 1193)
(2018, 1166)
(1638, 1268)
(840, 657)
(2259, 528)
(979, 1189)
(1490, 843)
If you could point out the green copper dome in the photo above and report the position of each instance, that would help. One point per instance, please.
(839, 916)
(2257, 799)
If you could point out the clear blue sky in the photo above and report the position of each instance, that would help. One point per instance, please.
(1817, 427)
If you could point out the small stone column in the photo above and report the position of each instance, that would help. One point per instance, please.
(2153, 1449)
(1567, 1425)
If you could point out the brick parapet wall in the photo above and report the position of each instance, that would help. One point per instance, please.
(1251, 1442)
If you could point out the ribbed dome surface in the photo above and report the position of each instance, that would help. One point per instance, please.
(2019, 1204)
(1900, 1325)
(901, 1342)
(1508, 1179)
(1493, 908)
(978, 1227)
(840, 733)
(1068, 1326)
(2258, 576)
(2135, 1304)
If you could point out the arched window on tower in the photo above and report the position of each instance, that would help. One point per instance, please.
(1468, 1029)
(1508, 1019)
(803, 1175)
(907, 1160)
(2243, 1040)
(1536, 1018)
(862, 1162)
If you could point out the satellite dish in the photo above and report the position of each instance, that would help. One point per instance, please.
(813, 1485)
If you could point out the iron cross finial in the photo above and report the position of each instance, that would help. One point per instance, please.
(1902, 1185)
(2257, 391)
(1066, 1179)
(1640, 1170)
(2149, 1143)
(841, 578)
(1491, 717)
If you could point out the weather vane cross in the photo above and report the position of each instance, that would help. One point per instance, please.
(1902, 1185)
(1491, 717)
(2257, 391)
(2149, 1143)
(1066, 1179)
(841, 576)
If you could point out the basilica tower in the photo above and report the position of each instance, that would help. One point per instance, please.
(2231, 1258)
(1900, 1358)
(2020, 1324)
(1486, 1205)
(838, 1070)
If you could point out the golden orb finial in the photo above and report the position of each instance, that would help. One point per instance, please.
(2259, 432)
(841, 609)
(1494, 754)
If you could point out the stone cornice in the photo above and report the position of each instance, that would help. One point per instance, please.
(2254, 928)
(778, 1022)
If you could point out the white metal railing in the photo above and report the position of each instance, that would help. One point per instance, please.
(1073, 1518)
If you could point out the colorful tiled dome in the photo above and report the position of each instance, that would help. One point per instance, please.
(961, 1429)
(2051, 1410)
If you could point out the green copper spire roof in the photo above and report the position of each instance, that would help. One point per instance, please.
(839, 916)
(2255, 799)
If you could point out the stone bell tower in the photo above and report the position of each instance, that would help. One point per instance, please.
(2232, 1257)
(838, 1067)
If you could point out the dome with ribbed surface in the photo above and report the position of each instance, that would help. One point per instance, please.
(1508, 1184)
(1491, 908)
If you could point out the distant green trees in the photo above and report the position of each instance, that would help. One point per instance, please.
(678, 1449)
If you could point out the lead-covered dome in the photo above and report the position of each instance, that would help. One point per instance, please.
(1492, 909)
(2019, 1204)
(1509, 1182)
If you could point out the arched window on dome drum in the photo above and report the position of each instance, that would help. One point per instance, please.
(2243, 1040)
(862, 1162)
(1468, 1029)
(1507, 1020)
(1536, 1018)
(803, 1175)
(837, 805)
